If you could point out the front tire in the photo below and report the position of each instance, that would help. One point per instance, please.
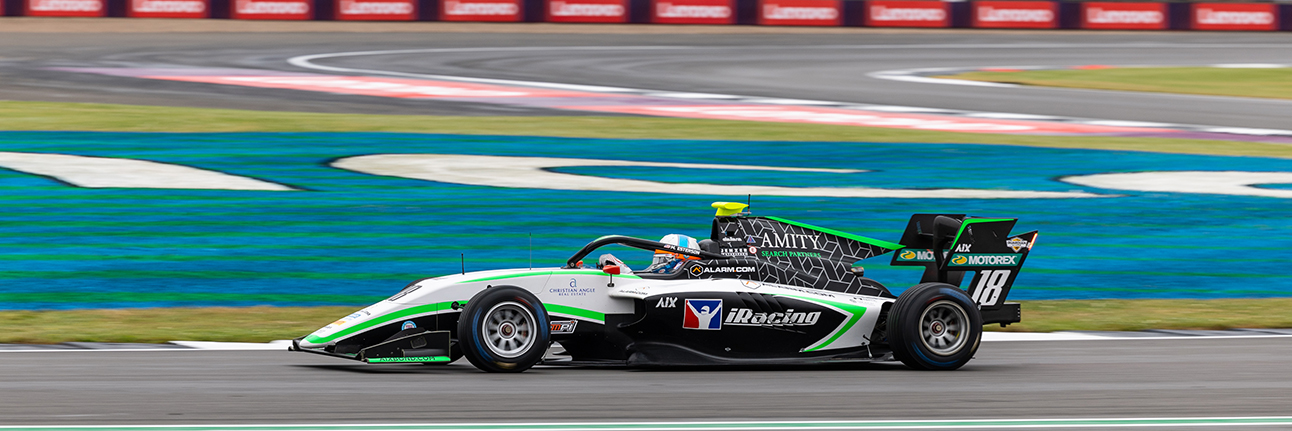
(504, 329)
(934, 326)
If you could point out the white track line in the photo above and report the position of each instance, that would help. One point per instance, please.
(3, 351)
(215, 345)
(1029, 423)
(1080, 336)
(907, 75)
(1251, 66)
(987, 337)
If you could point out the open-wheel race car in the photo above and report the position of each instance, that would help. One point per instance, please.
(760, 290)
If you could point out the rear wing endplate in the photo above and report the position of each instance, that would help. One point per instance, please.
(981, 245)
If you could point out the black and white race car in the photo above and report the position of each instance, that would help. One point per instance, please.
(760, 290)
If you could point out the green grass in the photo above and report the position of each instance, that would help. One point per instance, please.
(1141, 314)
(1263, 83)
(159, 325)
(127, 118)
(262, 324)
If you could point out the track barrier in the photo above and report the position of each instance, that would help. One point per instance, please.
(272, 9)
(693, 12)
(168, 8)
(602, 11)
(1124, 16)
(997, 14)
(897, 13)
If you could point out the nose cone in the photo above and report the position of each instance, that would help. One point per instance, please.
(334, 331)
(320, 338)
(306, 344)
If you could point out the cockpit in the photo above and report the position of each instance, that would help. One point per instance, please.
(669, 257)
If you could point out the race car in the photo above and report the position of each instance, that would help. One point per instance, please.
(759, 291)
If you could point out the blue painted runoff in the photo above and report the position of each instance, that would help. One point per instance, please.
(352, 238)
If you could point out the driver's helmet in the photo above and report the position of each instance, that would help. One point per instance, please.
(667, 261)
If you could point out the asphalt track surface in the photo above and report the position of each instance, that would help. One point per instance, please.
(830, 67)
(1124, 378)
(1008, 380)
(1080, 379)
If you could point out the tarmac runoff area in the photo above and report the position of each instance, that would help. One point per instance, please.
(836, 67)
(1166, 380)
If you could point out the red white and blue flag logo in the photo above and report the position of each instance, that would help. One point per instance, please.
(702, 314)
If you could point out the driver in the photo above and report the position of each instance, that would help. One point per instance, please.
(666, 261)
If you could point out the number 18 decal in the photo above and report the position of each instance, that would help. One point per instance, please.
(991, 283)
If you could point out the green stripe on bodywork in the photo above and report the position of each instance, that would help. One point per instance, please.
(577, 312)
(968, 222)
(98, 298)
(381, 320)
(540, 273)
(856, 310)
(506, 276)
(418, 359)
(441, 306)
(858, 238)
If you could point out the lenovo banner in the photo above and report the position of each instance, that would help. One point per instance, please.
(273, 9)
(587, 10)
(1124, 16)
(1235, 16)
(67, 7)
(481, 10)
(897, 13)
(168, 8)
(800, 12)
(376, 10)
(1015, 14)
(693, 11)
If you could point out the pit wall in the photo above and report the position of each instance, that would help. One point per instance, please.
(869, 13)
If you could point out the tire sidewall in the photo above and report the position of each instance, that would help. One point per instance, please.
(473, 318)
(904, 323)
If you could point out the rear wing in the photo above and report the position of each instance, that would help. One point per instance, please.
(981, 245)
(994, 256)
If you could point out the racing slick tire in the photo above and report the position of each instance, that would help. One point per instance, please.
(504, 329)
(934, 326)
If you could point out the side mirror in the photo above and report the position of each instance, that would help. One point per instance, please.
(610, 269)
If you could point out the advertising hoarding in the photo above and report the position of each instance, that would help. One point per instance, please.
(608, 11)
(168, 8)
(1235, 16)
(1015, 14)
(481, 10)
(898, 13)
(1124, 16)
(376, 10)
(273, 9)
(67, 8)
(693, 11)
(800, 12)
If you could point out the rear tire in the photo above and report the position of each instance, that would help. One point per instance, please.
(934, 326)
(504, 329)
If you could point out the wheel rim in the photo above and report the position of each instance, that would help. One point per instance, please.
(508, 330)
(944, 328)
